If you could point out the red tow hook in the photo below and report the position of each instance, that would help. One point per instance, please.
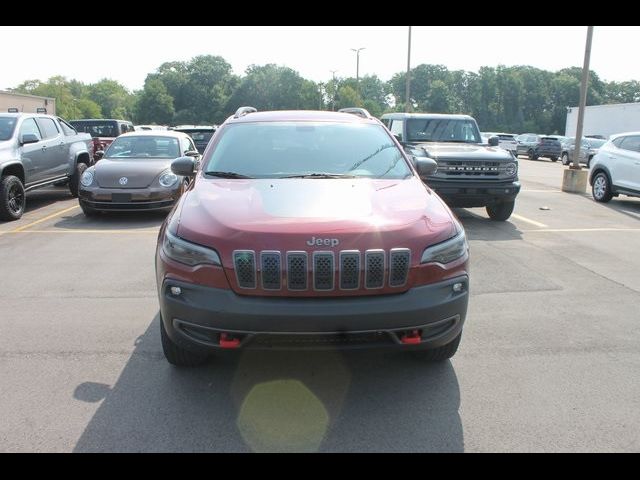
(412, 338)
(226, 341)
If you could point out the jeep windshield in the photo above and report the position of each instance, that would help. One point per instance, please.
(442, 130)
(307, 150)
(7, 125)
(97, 129)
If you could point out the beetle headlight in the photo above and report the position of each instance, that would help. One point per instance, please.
(87, 178)
(188, 253)
(168, 179)
(447, 251)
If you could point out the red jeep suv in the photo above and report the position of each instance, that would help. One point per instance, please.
(306, 229)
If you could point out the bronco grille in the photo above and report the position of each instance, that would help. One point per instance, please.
(470, 169)
(298, 272)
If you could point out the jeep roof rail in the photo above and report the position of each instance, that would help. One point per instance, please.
(242, 111)
(361, 112)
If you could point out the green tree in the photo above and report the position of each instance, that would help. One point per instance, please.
(114, 99)
(347, 97)
(154, 105)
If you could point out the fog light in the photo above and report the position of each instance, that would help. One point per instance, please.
(176, 291)
(458, 287)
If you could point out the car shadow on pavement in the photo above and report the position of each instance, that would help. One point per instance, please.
(41, 198)
(625, 205)
(275, 401)
(112, 221)
(481, 228)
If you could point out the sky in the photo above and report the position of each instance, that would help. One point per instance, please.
(128, 54)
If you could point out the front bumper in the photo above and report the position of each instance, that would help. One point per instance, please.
(152, 198)
(474, 193)
(199, 315)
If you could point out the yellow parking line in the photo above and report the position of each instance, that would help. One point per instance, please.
(571, 230)
(82, 230)
(48, 217)
(528, 220)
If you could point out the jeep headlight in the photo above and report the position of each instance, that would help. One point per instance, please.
(510, 169)
(87, 178)
(168, 179)
(188, 253)
(447, 251)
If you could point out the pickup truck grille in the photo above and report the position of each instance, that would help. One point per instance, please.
(295, 271)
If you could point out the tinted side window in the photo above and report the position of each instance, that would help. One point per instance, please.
(49, 128)
(29, 126)
(631, 143)
(618, 141)
(66, 128)
(396, 128)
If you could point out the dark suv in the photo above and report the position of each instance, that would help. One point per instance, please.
(535, 146)
(470, 173)
(201, 134)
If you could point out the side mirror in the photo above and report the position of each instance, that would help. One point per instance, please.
(28, 138)
(494, 141)
(425, 166)
(98, 154)
(184, 166)
(192, 153)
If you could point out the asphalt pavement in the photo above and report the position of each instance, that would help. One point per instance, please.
(549, 358)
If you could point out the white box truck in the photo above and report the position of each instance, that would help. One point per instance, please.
(605, 120)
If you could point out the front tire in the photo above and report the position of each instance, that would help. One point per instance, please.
(12, 198)
(501, 211)
(601, 188)
(74, 180)
(442, 353)
(532, 155)
(178, 356)
(554, 159)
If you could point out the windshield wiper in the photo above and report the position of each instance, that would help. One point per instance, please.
(321, 175)
(216, 173)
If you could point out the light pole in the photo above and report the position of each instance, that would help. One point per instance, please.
(407, 106)
(335, 88)
(357, 50)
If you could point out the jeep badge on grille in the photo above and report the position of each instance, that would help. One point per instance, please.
(319, 242)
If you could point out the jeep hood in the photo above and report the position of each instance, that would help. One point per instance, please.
(283, 214)
(464, 151)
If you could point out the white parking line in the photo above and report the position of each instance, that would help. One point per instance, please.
(528, 220)
(571, 230)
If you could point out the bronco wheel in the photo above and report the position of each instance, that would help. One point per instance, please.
(176, 355)
(601, 188)
(501, 211)
(565, 158)
(532, 155)
(12, 198)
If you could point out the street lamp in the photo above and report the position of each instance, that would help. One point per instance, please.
(357, 50)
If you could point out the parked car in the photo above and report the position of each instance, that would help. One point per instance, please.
(308, 229)
(135, 173)
(537, 146)
(201, 134)
(505, 140)
(588, 149)
(103, 131)
(470, 173)
(150, 127)
(37, 150)
(615, 169)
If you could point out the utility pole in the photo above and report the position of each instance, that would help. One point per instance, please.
(335, 88)
(574, 179)
(583, 100)
(407, 95)
(357, 50)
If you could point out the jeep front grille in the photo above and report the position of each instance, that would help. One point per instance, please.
(245, 265)
(372, 269)
(297, 270)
